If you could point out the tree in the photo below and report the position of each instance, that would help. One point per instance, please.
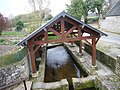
(48, 17)
(3, 23)
(19, 26)
(88, 6)
(79, 8)
(42, 6)
(99, 6)
(76, 8)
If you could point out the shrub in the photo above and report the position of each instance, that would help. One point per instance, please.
(19, 26)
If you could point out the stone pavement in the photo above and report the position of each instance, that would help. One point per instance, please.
(22, 87)
(103, 74)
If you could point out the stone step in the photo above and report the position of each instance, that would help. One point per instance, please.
(22, 87)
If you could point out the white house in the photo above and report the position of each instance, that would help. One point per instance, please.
(112, 21)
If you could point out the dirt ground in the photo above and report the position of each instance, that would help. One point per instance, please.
(6, 49)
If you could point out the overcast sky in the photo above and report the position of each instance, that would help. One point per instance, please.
(16, 7)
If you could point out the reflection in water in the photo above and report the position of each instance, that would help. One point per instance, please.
(60, 65)
(56, 57)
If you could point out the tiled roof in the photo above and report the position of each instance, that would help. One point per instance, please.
(62, 14)
(115, 10)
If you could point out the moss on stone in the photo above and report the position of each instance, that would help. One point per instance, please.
(13, 57)
(86, 84)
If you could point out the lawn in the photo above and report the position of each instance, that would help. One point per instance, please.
(14, 33)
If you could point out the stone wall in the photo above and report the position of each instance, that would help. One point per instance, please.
(59, 85)
(82, 83)
(14, 73)
(111, 24)
(118, 65)
(112, 62)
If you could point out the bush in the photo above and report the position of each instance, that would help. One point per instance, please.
(3, 42)
(19, 26)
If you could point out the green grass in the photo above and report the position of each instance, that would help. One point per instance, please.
(7, 42)
(13, 57)
(4, 42)
(13, 33)
(53, 37)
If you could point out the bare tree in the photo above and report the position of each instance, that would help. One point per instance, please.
(3, 23)
(42, 6)
(32, 4)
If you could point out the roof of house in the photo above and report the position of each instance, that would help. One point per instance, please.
(62, 14)
(115, 10)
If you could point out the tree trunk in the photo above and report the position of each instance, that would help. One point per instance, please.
(0, 32)
(85, 19)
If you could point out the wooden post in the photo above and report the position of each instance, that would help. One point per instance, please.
(93, 51)
(32, 58)
(25, 84)
(80, 46)
(62, 29)
(80, 43)
(37, 54)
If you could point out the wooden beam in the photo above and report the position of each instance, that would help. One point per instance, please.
(40, 33)
(38, 42)
(55, 32)
(87, 37)
(70, 31)
(75, 35)
(72, 39)
(93, 52)
(97, 40)
(37, 48)
(62, 26)
(66, 40)
(32, 58)
(85, 29)
(54, 22)
(88, 42)
(71, 21)
(46, 36)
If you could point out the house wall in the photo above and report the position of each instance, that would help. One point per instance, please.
(111, 24)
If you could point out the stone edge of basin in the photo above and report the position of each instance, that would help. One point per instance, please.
(62, 85)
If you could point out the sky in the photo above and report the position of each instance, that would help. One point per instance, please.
(16, 7)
